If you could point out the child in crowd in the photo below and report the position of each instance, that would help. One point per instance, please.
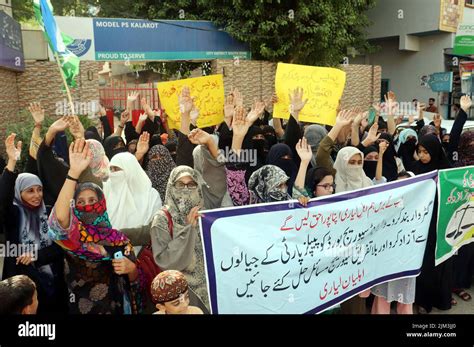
(18, 295)
(170, 294)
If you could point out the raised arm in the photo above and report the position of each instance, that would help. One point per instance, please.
(305, 154)
(200, 137)
(344, 119)
(371, 138)
(141, 122)
(75, 127)
(124, 117)
(186, 104)
(79, 158)
(392, 107)
(8, 178)
(37, 112)
(458, 125)
(242, 123)
(379, 169)
(143, 146)
(355, 128)
(107, 131)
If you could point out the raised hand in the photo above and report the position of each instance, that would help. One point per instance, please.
(142, 117)
(296, 102)
(193, 115)
(344, 118)
(238, 99)
(102, 111)
(144, 104)
(391, 102)
(399, 119)
(124, 117)
(466, 103)
(199, 137)
(270, 101)
(420, 108)
(257, 109)
(143, 145)
(437, 120)
(80, 157)
(229, 109)
(37, 112)
(75, 127)
(304, 150)
(131, 98)
(239, 126)
(60, 124)
(372, 136)
(360, 115)
(186, 103)
(383, 145)
(13, 151)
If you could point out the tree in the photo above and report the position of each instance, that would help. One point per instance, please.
(300, 31)
(313, 32)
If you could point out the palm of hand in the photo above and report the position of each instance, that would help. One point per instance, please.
(38, 116)
(229, 110)
(305, 154)
(60, 125)
(78, 162)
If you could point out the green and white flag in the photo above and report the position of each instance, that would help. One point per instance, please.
(57, 41)
(455, 226)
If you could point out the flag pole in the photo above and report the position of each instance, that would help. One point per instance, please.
(71, 104)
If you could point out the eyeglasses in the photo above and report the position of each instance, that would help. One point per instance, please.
(327, 186)
(191, 185)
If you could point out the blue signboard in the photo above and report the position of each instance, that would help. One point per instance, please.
(441, 82)
(11, 46)
(111, 39)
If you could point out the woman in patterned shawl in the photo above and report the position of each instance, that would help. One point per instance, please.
(101, 271)
(175, 237)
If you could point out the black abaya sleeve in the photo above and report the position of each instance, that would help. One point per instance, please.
(184, 151)
(52, 173)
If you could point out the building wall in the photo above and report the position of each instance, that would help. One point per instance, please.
(41, 81)
(8, 100)
(256, 79)
(418, 16)
(404, 69)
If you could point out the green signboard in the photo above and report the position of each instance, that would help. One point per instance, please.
(455, 227)
(464, 41)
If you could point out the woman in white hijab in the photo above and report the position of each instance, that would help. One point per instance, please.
(350, 173)
(131, 199)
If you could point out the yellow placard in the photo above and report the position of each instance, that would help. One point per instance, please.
(322, 86)
(208, 92)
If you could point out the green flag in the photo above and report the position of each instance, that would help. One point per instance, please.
(57, 41)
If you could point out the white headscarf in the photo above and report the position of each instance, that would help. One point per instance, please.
(349, 177)
(131, 199)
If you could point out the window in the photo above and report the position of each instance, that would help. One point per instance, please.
(470, 3)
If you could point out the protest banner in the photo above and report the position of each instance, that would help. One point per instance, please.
(208, 92)
(322, 87)
(283, 258)
(455, 227)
